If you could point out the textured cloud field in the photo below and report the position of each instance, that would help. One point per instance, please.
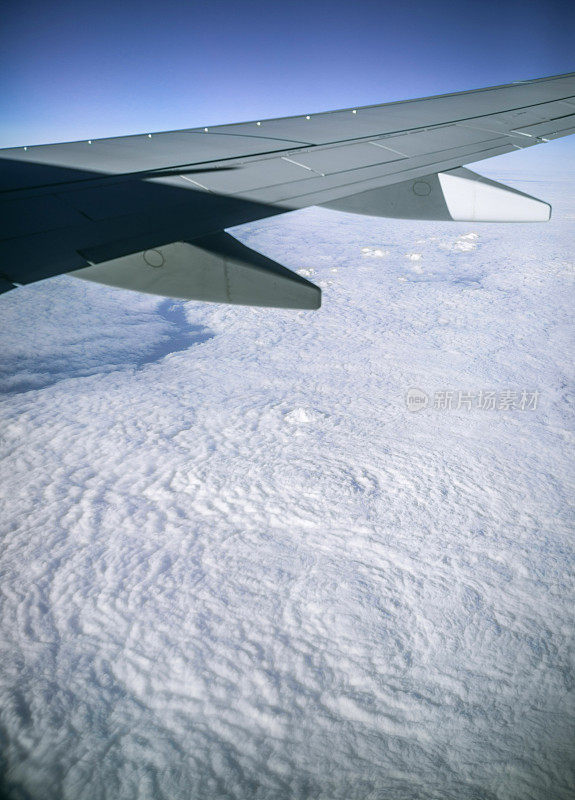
(234, 565)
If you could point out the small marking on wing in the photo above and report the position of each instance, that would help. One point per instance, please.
(196, 183)
(297, 163)
(385, 147)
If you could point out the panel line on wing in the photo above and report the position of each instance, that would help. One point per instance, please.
(196, 183)
(428, 166)
(385, 147)
(487, 130)
(297, 163)
(214, 132)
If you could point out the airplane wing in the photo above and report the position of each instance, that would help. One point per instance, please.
(149, 212)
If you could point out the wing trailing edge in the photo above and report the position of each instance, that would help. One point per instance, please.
(457, 194)
(215, 268)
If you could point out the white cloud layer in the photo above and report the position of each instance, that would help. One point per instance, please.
(234, 565)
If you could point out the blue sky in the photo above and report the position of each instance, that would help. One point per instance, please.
(93, 69)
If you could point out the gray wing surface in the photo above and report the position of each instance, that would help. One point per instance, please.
(110, 210)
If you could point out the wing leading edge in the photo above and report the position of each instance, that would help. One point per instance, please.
(95, 208)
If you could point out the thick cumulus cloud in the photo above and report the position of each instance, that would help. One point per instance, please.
(235, 565)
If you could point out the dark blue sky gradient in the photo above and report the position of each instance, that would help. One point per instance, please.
(89, 69)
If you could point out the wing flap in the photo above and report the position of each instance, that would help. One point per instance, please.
(317, 189)
(560, 126)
